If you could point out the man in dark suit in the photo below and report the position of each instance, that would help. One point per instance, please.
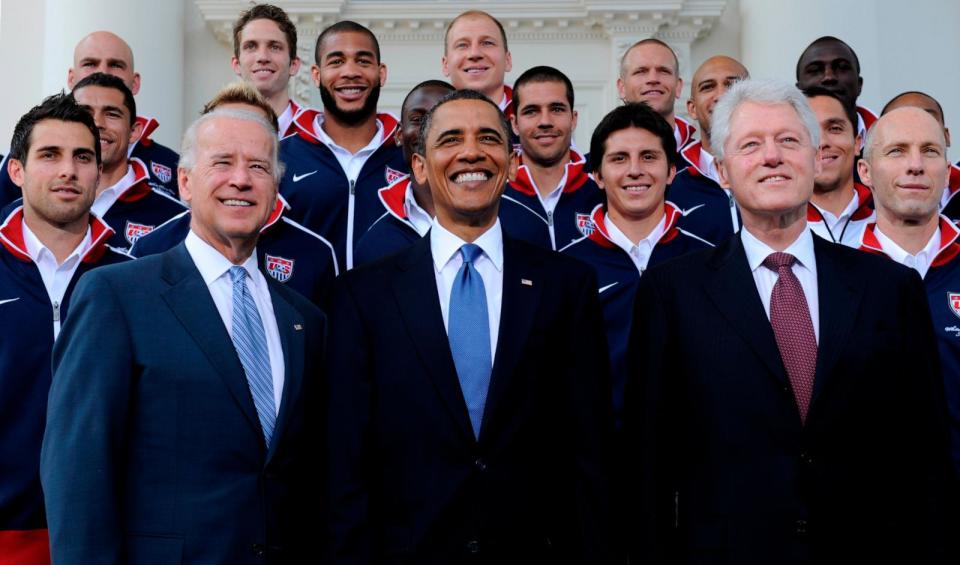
(180, 413)
(469, 412)
(786, 405)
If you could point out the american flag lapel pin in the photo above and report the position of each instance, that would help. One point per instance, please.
(526, 282)
(297, 327)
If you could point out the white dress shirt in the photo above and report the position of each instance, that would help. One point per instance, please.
(56, 276)
(835, 223)
(805, 269)
(920, 262)
(285, 119)
(447, 260)
(109, 196)
(640, 252)
(215, 270)
(351, 163)
(417, 216)
(549, 202)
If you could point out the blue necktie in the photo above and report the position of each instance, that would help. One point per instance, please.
(251, 343)
(468, 329)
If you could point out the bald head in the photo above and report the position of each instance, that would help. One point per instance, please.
(711, 80)
(923, 101)
(103, 52)
(906, 123)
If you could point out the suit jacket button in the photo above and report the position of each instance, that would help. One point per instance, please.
(801, 526)
(473, 546)
(480, 464)
(257, 550)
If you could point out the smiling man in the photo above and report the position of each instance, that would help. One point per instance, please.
(265, 56)
(469, 412)
(341, 157)
(476, 56)
(905, 163)
(125, 198)
(709, 209)
(766, 374)
(182, 412)
(840, 207)
(550, 200)
(49, 239)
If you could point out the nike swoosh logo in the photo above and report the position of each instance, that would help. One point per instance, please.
(9, 300)
(687, 211)
(298, 178)
(608, 287)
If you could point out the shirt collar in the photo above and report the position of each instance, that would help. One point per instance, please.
(445, 244)
(623, 242)
(211, 263)
(329, 142)
(708, 164)
(410, 204)
(36, 249)
(900, 255)
(757, 251)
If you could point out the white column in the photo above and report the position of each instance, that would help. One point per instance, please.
(154, 31)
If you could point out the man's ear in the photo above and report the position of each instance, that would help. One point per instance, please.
(513, 166)
(15, 170)
(136, 132)
(864, 169)
(183, 182)
(722, 173)
(418, 166)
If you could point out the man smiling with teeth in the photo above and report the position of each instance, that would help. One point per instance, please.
(476, 56)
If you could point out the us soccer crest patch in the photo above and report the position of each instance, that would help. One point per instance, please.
(135, 231)
(392, 175)
(162, 172)
(585, 224)
(279, 268)
(953, 300)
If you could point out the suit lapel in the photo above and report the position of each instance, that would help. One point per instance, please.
(190, 300)
(292, 341)
(521, 296)
(839, 293)
(734, 293)
(415, 290)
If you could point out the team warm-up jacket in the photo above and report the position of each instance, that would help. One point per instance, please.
(708, 210)
(28, 319)
(523, 216)
(286, 251)
(942, 282)
(139, 209)
(393, 231)
(851, 231)
(617, 279)
(321, 196)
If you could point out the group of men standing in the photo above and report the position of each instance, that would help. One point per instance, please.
(457, 338)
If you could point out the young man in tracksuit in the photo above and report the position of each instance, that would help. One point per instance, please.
(550, 201)
(340, 157)
(408, 205)
(905, 164)
(709, 210)
(636, 228)
(47, 241)
(125, 200)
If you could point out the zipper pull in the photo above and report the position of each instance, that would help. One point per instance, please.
(353, 186)
(56, 311)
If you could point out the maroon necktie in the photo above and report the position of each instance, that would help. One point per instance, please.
(793, 328)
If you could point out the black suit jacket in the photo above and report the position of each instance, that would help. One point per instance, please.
(725, 472)
(153, 450)
(408, 483)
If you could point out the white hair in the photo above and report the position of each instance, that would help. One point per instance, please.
(188, 148)
(759, 91)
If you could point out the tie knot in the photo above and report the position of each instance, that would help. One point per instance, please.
(237, 273)
(470, 252)
(778, 260)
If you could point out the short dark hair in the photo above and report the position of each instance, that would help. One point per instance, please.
(829, 39)
(474, 13)
(110, 81)
(61, 107)
(345, 26)
(266, 12)
(647, 41)
(540, 73)
(465, 94)
(918, 93)
(432, 83)
(818, 91)
(637, 115)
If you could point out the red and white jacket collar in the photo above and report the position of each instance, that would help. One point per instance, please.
(601, 234)
(11, 236)
(291, 128)
(148, 125)
(948, 250)
(278, 211)
(394, 197)
(506, 105)
(306, 124)
(953, 184)
(683, 131)
(577, 175)
(864, 205)
(867, 116)
(138, 187)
